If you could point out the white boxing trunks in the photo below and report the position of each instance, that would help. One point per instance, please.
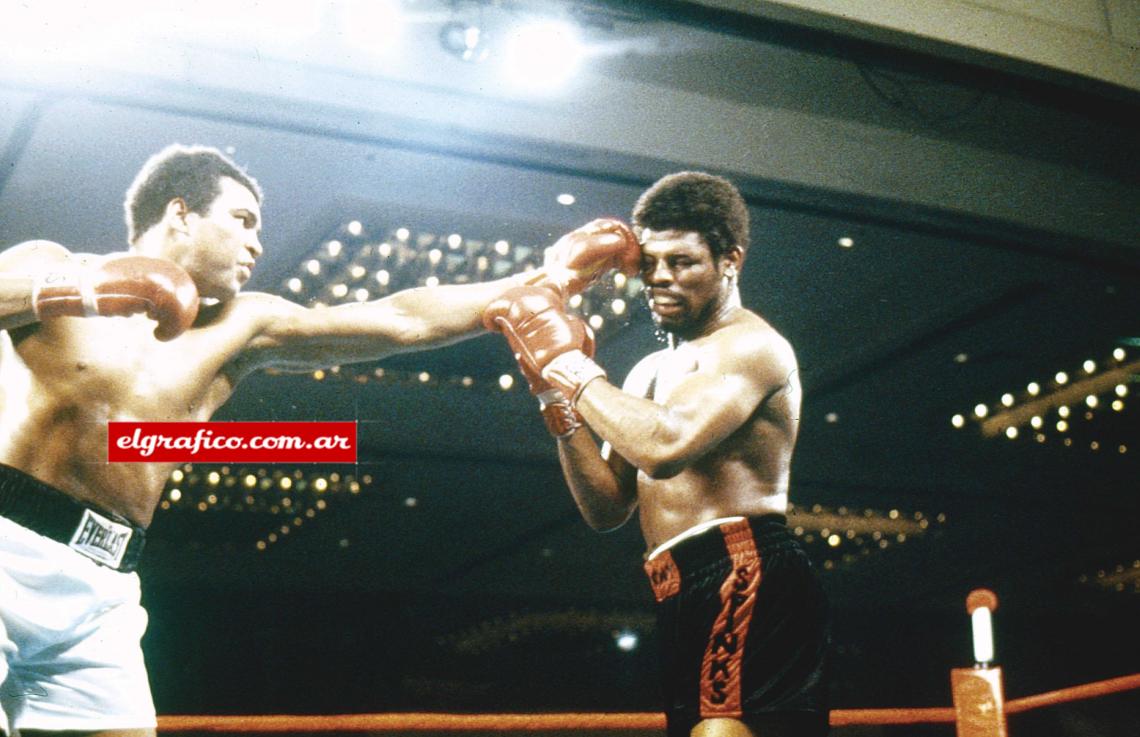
(70, 639)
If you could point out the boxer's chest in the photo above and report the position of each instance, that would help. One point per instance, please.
(112, 363)
(673, 367)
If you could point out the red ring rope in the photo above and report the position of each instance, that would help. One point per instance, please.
(424, 722)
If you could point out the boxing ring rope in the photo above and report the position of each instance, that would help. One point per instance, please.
(1074, 693)
(979, 709)
(433, 722)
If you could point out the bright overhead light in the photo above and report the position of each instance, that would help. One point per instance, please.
(542, 55)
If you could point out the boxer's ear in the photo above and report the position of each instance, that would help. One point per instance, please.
(176, 214)
(731, 261)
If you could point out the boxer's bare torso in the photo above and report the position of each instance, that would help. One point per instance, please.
(747, 472)
(702, 430)
(65, 379)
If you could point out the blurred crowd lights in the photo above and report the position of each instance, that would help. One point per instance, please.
(1122, 578)
(287, 499)
(841, 537)
(1046, 407)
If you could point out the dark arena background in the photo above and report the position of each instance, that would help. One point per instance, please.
(944, 202)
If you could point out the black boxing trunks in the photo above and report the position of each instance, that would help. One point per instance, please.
(102, 536)
(744, 629)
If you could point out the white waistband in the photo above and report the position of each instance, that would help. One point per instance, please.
(694, 530)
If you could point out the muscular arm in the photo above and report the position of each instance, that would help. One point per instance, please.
(293, 337)
(603, 484)
(734, 374)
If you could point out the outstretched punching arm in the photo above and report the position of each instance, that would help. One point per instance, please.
(293, 337)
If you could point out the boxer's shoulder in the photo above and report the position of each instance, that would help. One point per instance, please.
(32, 254)
(260, 305)
(258, 313)
(750, 347)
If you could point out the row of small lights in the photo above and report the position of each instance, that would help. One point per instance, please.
(398, 377)
(1065, 413)
(299, 494)
(843, 529)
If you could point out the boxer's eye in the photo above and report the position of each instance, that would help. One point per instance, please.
(247, 218)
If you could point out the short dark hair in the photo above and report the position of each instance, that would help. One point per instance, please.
(695, 201)
(193, 173)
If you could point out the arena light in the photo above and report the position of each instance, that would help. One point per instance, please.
(542, 55)
(280, 501)
(626, 640)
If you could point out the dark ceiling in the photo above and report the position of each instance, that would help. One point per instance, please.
(992, 220)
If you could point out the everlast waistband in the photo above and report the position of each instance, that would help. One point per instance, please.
(105, 537)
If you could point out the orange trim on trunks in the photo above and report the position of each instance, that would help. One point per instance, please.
(663, 576)
(724, 656)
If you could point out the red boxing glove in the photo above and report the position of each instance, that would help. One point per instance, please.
(120, 285)
(580, 256)
(536, 328)
(539, 332)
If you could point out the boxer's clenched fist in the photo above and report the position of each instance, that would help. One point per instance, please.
(119, 285)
